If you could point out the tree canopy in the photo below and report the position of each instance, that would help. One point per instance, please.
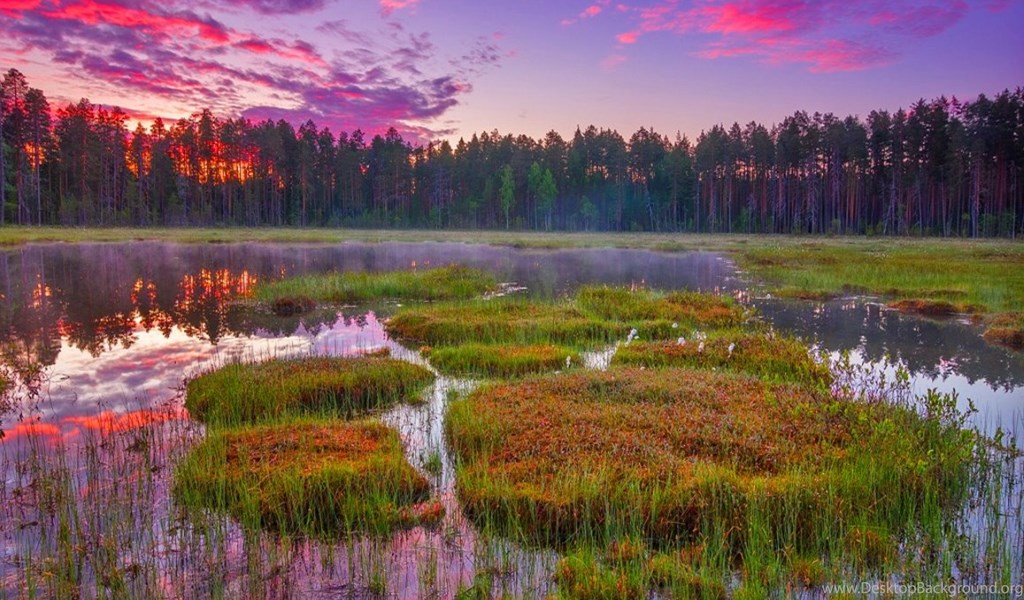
(941, 167)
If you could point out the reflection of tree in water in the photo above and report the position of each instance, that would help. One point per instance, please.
(927, 347)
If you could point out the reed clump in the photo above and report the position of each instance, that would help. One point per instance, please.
(491, 360)
(257, 392)
(677, 456)
(763, 354)
(319, 478)
(595, 315)
(1007, 330)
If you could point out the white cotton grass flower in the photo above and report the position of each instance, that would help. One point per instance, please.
(675, 326)
(568, 361)
(732, 347)
(681, 341)
(700, 348)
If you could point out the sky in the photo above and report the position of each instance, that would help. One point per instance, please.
(444, 69)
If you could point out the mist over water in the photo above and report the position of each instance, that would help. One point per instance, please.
(118, 326)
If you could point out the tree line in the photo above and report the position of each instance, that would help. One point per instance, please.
(942, 167)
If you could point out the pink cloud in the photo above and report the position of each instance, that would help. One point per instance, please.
(90, 12)
(13, 8)
(826, 35)
(389, 6)
(180, 61)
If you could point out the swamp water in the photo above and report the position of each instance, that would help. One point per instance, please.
(100, 337)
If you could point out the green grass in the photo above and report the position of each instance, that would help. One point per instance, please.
(595, 315)
(316, 478)
(653, 311)
(501, 321)
(488, 360)
(975, 275)
(766, 355)
(680, 456)
(246, 393)
(445, 283)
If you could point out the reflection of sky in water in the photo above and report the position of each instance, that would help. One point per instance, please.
(150, 371)
(121, 325)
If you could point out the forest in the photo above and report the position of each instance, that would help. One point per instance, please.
(942, 167)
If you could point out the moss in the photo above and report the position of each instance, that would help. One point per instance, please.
(502, 360)
(765, 355)
(445, 283)
(244, 393)
(310, 477)
(659, 455)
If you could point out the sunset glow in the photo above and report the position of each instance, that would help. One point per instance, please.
(448, 68)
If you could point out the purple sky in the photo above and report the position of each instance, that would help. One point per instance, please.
(445, 68)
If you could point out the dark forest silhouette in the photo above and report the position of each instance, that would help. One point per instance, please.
(942, 167)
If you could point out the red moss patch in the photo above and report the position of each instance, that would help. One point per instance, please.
(310, 477)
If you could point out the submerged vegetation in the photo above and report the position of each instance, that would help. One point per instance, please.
(247, 393)
(311, 477)
(444, 283)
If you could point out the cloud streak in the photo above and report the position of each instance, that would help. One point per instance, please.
(824, 35)
(372, 79)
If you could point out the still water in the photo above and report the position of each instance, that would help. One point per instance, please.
(98, 335)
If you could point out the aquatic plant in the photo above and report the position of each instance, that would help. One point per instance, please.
(253, 392)
(444, 283)
(764, 354)
(933, 308)
(675, 455)
(320, 478)
(501, 321)
(491, 360)
(688, 310)
(1007, 330)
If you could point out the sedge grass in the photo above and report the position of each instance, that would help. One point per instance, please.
(258, 392)
(675, 455)
(320, 478)
(596, 315)
(490, 360)
(453, 282)
(766, 355)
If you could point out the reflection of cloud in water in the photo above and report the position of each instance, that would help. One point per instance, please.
(152, 369)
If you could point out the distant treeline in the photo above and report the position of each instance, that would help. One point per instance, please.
(943, 167)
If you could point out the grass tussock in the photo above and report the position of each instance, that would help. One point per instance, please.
(315, 478)
(247, 393)
(501, 321)
(765, 355)
(1007, 330)
(680, 455)
(584, 575)
(933, 308)
(453, 282)
(595, 315)
(690, 310)
(486, 360)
